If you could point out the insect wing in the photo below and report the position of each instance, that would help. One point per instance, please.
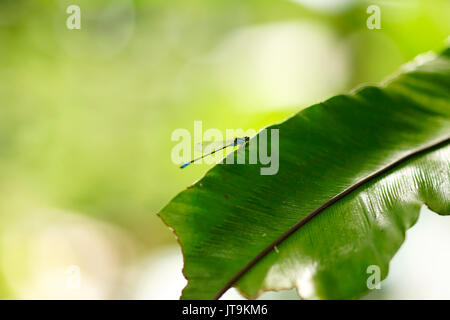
(209, 146)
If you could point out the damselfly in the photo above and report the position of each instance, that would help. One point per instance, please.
(224, 144)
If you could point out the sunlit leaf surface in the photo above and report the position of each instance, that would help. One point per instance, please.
(353, 173)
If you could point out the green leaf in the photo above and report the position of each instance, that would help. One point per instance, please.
(353, 174)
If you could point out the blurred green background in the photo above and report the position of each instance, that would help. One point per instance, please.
(86, 118)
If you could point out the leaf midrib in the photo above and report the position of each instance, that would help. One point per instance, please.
(419, 151)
